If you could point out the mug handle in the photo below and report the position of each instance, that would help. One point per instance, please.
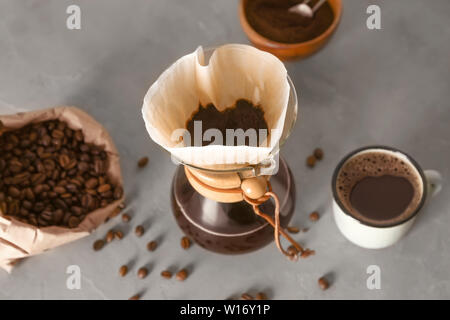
(434, 181)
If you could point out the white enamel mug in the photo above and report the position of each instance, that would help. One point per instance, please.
(376, 237)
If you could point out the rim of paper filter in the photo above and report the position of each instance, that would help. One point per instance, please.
(291, 113)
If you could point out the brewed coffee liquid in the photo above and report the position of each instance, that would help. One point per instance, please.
(379, 187)
(243, 115)
(382, 198)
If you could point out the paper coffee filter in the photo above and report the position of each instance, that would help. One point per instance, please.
(233, 72)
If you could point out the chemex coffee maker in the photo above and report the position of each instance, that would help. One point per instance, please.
(225, 206)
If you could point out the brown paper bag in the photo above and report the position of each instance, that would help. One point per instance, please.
(19, 240)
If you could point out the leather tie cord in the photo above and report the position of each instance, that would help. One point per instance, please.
(275, 224)
(255, 204)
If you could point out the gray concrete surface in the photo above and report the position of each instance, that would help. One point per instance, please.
(388, 87)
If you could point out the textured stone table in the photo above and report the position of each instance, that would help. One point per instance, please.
(366, 87)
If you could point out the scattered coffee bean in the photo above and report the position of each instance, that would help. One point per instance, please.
(166, 274)
(110, 236)
(152, 245)
(118, 234)
(142, 272)
(261, 296)
(292, 229)
(185, 243)
(311, 161)
(142, 162)
(123, 271)
(181, 275)
(139, 231)
(318, 153)
(98, 245)
(51, 177)
(314, 216)
(135, 297)
(246, 296)
(323, 283)
(126, 217)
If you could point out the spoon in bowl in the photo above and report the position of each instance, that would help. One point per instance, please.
(305, 10)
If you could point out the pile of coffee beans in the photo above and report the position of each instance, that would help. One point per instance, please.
(314, 157)
(50, 176)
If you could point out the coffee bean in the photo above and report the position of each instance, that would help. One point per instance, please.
(292, 229)
(152, 245)
(185, 243)
(78, 135)
(59, 190)
(99, 167)
(139, 231)
(64, 160)
(13, 192)
(181, 275)
(142, 272)
(58, 216)
(318, 153)
(166, 274)
(118, 192)
(47, 215)
(38, 178)
(314, 216)
(323, 283)
(246, 296)
(261, 296)
(123, 271)
(83, 166)
(73, 222)
(91, 183)
(57, 134)
(118, 234)
(45, 140)
(71, 187)
(311, 161)
(110, 235)
(142, 162)
(59, 203)
(103, 188)
(27, 204)
(98, 245)
(135, 297)
(86, 201)
(126, 217)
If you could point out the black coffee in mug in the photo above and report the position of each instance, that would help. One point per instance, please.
(379, 187)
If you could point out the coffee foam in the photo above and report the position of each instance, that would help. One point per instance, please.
(376, 163)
